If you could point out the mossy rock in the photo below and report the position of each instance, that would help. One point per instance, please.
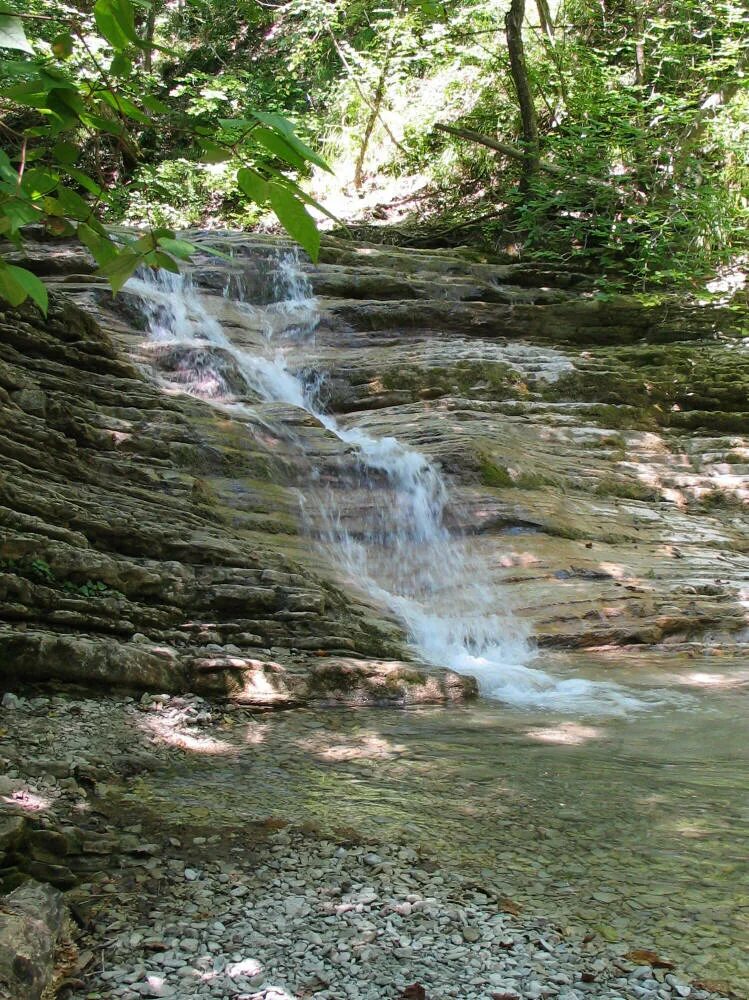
(496, 476)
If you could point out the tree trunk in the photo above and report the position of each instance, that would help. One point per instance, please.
(639, 44)
(518, 68)
(545, 19)
(376, 105)
(377, 112)
(146, 25)
(150, 29)
(374, 114)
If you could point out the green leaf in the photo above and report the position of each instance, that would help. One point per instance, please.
(73, 205)
(12, 34)
(280, 125)
(309, 200)
(145, 243)
(66, 103)
(277, 145)
(211, 251)
(10, 290)
(164, 260)
(295, 219)
(107, 24)
(115, 19)
(32, 286)
(253, 185)
(87, 182)
(211, 153)
(19, 212)
(7, 172)
(154, 104)
(65, 152)
(57, 226)
(125, 107)
(302, 195)
(102, 249)
(18, 68)
(109, 125)
(120, 66)
(121, 268)
(62, 45)
(38, 182)
(28, 95)
(179, 248)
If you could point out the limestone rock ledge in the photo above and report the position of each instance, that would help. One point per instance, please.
(596, 450)
(148, 542)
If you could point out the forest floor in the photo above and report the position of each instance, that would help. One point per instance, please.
(189, 902)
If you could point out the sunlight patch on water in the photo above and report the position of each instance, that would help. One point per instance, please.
(566, 734)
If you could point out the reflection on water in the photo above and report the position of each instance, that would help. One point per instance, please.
(636, 828)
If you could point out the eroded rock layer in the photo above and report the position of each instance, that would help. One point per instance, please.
(120, 561)
(596, 448)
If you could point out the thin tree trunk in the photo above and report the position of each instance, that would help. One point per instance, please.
(518, 68)
(150, 29)
(377, 111)
(374, 113)
(545, 19)
(548, 31)
(643, 164)
(639, 44)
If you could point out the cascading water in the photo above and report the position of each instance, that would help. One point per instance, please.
(403, 553)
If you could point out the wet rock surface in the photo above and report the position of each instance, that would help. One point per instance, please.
(595, 446)
(148, 542)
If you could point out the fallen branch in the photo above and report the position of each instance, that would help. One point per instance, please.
(516, 153)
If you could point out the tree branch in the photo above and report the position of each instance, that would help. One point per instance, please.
(516, 153)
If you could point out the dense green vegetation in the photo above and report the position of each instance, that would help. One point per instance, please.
(83, 112)
(614, 132)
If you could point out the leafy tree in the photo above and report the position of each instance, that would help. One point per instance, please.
(79, 112)
(612, 131)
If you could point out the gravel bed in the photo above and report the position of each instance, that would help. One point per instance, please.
(283, 915)
(307, 917)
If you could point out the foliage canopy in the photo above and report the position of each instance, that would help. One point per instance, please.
(173, 113)
(83, 113)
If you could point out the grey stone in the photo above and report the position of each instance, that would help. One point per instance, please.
(31, 922)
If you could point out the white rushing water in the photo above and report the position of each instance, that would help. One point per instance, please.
(402, 552)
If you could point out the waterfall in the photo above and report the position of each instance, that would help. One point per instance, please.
(402, 553)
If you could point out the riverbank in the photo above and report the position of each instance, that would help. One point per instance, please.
(196, 896)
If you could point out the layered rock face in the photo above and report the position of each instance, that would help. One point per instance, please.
(149, 542)
(597, 446)
(596, 451)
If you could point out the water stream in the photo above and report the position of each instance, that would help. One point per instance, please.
(635, 830)
(402, 553)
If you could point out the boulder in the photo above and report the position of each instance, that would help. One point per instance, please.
(31, 923)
